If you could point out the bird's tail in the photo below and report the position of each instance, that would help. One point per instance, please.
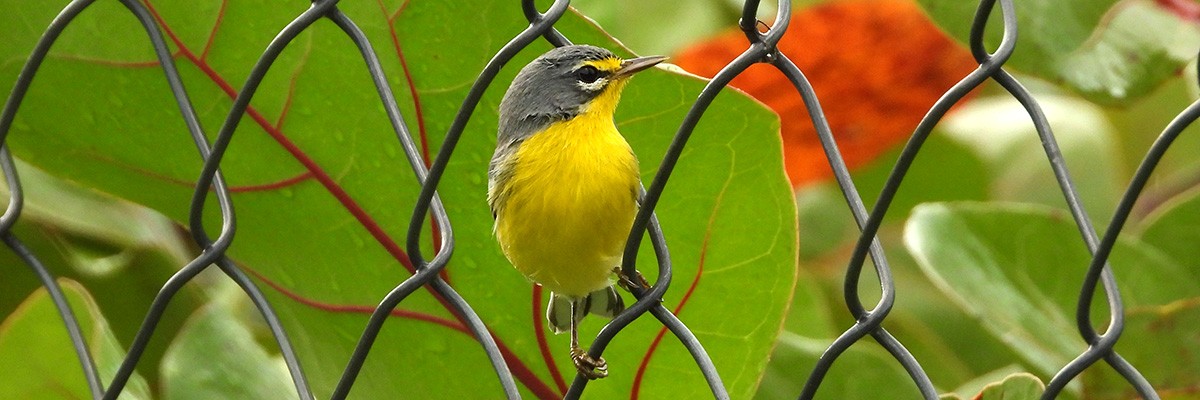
(604, 302)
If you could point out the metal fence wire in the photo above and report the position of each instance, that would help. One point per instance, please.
(761, 48)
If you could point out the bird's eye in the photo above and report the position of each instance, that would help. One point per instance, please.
(588, 74)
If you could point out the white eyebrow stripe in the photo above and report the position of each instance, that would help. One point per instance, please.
(594, 86)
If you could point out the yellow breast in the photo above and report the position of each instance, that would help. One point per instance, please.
(570, 203)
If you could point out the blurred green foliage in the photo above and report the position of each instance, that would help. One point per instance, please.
(323, 194)
(987, 261)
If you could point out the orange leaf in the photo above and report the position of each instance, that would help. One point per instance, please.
(877, 67)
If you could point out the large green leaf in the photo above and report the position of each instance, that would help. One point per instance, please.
(1111, 51)
(977, 385)
(1018, 269)
(40, 362)
(323, 192)
(98, 235)
(1161, 342)
(120, 251)
(946, 171)
(1175, 229)
(664, 27)
(630, 21)
(1000, 131)
(1021, 386)
(1172, 229)
(865, 371)
(216, 356)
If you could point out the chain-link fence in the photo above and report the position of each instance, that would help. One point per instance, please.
(760, 48)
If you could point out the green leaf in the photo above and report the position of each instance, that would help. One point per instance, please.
(945, 170)
(1161, 342)
(1138, 45)
(1163, 335)
(951, 347)
(122, 252)
(215, 356)
(1139, 124)
(664, 27)
(1110, 51)
(653, 26)
(826, 224)
(1018, 270)
(43, 363)
(809, 314)
(98, 235)
(1172, 228)
(1001, 132)
(323, 193)
(978, 384)
(865, 371)
(1021, 386)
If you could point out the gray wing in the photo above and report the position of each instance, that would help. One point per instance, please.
(500, 172)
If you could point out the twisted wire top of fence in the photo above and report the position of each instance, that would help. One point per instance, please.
(427, 258)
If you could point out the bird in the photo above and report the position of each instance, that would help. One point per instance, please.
(563, 184)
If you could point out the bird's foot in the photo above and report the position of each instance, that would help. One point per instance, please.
(591, 368)
(628, 284)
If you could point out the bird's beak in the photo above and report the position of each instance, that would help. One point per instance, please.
(631, 66)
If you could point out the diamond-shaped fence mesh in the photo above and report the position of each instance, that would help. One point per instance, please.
(760, 48)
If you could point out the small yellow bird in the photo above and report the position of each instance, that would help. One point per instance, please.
(563, 184)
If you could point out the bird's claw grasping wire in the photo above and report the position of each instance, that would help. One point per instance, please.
(588, 367)
(628, 284)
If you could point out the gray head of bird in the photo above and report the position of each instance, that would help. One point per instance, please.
(566, 82)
